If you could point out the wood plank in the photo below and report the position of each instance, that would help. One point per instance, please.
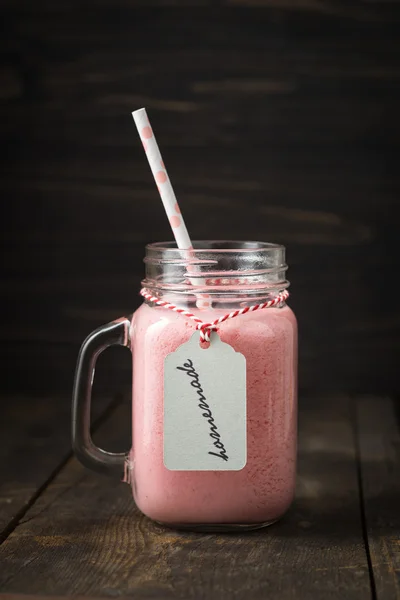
(290, 107)
(51, 597)
(85, 536)
(348, 10)
(94, 274)
(315, 73)
(35, 435)
(379, 447)
(70, 6)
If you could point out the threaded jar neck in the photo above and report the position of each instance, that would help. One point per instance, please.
(219, 268)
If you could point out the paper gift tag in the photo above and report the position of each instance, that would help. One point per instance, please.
(205, 407)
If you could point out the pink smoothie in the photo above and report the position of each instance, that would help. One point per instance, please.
(263, 490)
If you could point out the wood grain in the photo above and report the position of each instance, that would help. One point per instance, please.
(35, 438)
(379, 447)
(85, 536)
(47, 597)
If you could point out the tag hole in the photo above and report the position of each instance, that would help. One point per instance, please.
(204, 345)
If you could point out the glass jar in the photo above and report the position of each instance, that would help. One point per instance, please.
(213, 279)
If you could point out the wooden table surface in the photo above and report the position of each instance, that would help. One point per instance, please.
(68, 532)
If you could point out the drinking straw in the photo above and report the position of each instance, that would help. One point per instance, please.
(165, 189)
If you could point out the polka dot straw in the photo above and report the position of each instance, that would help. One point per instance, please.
(162, 180)
(166, 192)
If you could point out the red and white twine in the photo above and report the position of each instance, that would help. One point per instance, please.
(206, 328)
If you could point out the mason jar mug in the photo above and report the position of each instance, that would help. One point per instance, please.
(214, 388)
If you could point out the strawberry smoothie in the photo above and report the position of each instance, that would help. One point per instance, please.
(262, 491)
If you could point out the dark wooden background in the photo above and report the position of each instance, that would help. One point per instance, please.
(285, 112)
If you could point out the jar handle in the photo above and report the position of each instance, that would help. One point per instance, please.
(116, 333)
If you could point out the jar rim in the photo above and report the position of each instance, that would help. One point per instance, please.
(216, 267)
(242, 246)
